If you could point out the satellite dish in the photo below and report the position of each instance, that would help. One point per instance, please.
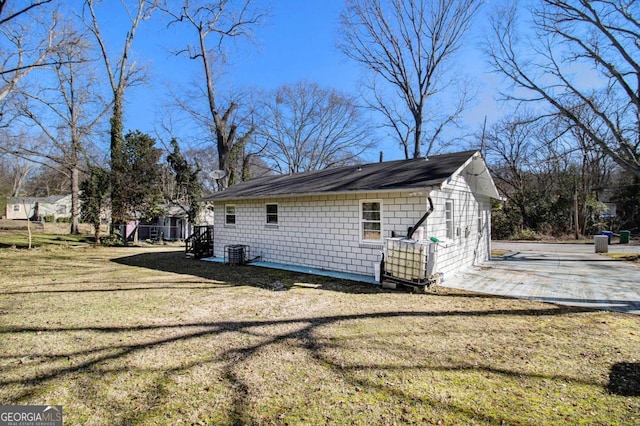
(217, 174)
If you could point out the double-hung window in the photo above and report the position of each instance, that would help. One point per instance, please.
(272, 214)
(371, 221)
(448, 219)
(230, 214)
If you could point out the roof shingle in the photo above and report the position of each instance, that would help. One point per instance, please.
(384, 176)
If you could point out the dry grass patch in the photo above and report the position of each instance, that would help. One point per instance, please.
(627, 257)
(499, 253)
(145, 336)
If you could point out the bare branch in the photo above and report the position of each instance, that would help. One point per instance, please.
(32, 45)
(597, 35)
(19, 11)
(406, 44)
(222, 21)
(305, 128)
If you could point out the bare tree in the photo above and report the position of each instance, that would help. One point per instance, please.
(66, 108)
(395, 121)
(47, 181)
(305, 127)
(581, 60)
(121, 74)
(14, 172)
(512, 150)
(27, 40)
(549, 172)
(407, 44)
(239, 127)
(212, 22)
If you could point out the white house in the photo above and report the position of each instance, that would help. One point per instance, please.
(341, 219)
(22, 208)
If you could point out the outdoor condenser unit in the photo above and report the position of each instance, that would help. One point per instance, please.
(409, 261)
(236, 254)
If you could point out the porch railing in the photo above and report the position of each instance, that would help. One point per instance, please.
(200, 243)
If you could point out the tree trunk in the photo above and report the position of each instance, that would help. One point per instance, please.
(75, 200)
(417, 135)
(117, 207)
(96, 234)
(224, 155)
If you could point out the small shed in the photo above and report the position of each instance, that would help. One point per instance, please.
(339, 219)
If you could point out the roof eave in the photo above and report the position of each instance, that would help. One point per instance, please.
(418, 190)
(491, 191)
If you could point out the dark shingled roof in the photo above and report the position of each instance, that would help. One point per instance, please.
(389, 175)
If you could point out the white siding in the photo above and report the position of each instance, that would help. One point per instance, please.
(323, 231)
(319, 232)
(20, 209)
(469, 245)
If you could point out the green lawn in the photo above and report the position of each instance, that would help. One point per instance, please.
(20, 240)
(145, 336)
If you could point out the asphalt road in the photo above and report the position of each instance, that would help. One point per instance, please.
(565, 274)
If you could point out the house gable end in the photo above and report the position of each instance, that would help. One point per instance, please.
(477, 175)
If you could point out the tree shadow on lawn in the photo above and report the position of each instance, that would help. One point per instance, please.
(305, 334)
(240, 275)
(254, 276)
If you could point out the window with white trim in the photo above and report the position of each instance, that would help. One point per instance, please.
(480, 212)
(371, 221)
(230, 214)
(448, 219)
(16, 207)
(272, 214)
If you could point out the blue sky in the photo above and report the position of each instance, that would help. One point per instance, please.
(296, 42)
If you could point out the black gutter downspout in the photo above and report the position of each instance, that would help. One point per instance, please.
(422, 219)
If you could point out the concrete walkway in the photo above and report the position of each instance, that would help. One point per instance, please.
(566, 274)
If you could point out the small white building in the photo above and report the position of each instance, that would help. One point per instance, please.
(339, 219)
(23, 208)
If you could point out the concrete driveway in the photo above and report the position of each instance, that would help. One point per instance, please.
(566, 274)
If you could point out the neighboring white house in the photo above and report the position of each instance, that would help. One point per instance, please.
(22, 208)
(339, 219)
